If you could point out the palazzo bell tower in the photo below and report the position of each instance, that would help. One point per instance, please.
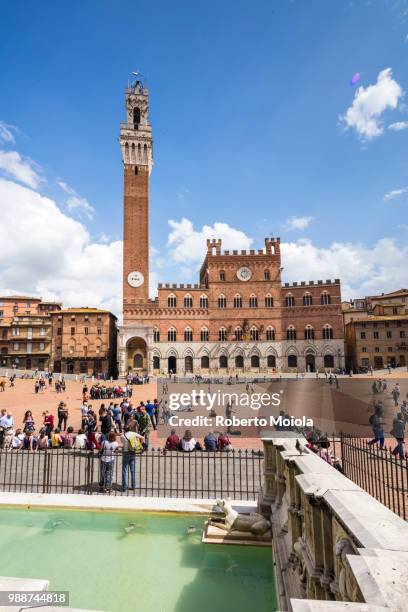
(137, 153)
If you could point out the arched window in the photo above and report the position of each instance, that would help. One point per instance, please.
(267, 275)
(328, 361)
(292, 361)
(309, 332)
(271, 361)
(239, 361)
(172, 301)
(204, 335)
(156, 362)
(238, 334)
(253, 301)
(156, 335)
(126, 151)
(171, 335)
(223, 361)
(291, 333)
(188, 363)
(307, 299)
(289, 301)
(268, 301)
(222, 301)
(136, 116)
(327, 332)
(188, 301)
(237, 301)
(325, 298)
(222, 334)
(270, 333)
(254, 361)
(254, 334)
(133, 158)
(203, 301)
(222, 275)
(205, 362)
(188, 334)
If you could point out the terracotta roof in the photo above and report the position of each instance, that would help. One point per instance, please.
(26, 298)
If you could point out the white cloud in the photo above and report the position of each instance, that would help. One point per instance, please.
(297, 223)
(362, 270)
(395, 193)
(364, 115)
(398, 126)
(76, 203)
(47, 253)
(7, 132)
(24, 170)
(188, 246)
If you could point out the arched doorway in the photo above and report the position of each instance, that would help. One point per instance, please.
(239, 361)
(310, 363)
(271, 361)
(328, 361)
(188, 364)
(223, 361)
(292, 361)
(254, 361)
(205, 362)
(172, 364)
(156, 362)
(138, 361)
(136, 354)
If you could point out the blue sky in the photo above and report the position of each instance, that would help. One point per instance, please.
(246, 107)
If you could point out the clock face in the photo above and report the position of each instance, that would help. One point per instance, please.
(244, 273)
(135, 279)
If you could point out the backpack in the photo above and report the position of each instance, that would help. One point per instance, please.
(135, 444)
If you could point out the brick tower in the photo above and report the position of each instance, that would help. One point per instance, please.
(137, 153)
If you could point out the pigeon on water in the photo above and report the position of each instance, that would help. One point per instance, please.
(191, 529)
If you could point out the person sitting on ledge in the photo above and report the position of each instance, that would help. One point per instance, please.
(173, 441)
(210, 441)
(80, 440)
(69, 438)
(224, 443)
(56, 438)
(188, 443)
(43, 441)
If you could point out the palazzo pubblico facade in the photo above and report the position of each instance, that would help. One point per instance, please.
(239, 317)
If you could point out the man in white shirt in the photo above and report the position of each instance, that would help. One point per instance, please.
(7, 423)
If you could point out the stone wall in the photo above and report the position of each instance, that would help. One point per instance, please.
(333, 543)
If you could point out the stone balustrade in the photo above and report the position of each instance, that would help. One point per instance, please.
(335, 547)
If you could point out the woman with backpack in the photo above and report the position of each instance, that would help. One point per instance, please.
(132, 444)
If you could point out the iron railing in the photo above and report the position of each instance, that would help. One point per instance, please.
(377, 471)
(200, 474)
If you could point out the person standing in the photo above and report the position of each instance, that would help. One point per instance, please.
(48, 422)
(144, 425)
(151, 412)
(106, 424)
(376, 421)
(107, 462)
(132, 443)
(62, 416)
(398, 431)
